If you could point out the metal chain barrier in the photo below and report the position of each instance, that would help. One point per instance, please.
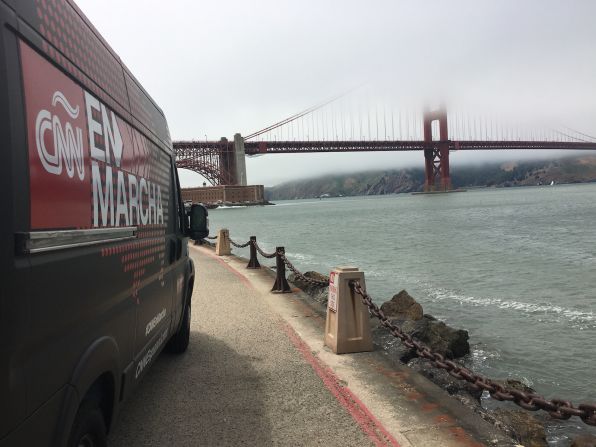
(211, 237)
(264, 254)
(237, 245)
(286, 261)
(301, 275)
(556, 408)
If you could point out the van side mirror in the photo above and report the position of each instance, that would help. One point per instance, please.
(198, 222)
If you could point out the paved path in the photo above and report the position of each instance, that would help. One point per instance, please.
(257, 374)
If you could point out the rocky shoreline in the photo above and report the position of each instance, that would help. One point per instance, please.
(526, 428)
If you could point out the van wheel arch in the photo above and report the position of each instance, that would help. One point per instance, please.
(96, 376)
(100, 358)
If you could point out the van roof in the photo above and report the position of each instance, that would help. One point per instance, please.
(111, 50)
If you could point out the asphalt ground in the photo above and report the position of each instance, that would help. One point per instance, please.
(256, 373)
(241, 382)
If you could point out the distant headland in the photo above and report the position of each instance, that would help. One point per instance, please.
(575, 169)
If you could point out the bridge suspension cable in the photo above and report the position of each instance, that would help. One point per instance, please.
(581, 133)
(298, 115)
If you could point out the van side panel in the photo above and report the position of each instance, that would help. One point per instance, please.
(94, 246)
(76, 296)
(89, 170)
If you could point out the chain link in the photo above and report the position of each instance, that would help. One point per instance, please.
(301, 275)
(262, 253)
(237, 245)
(556, 408)
(211, 237)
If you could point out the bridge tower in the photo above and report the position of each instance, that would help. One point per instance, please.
(239, 153)
(227, 163)
(436, 154)
(232, 166)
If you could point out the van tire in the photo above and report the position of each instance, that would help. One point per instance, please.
(89, 427)
(179, 341)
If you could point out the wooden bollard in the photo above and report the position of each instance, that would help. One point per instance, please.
(281, 283)
(222, 247)
(347, 328)
(253, 263)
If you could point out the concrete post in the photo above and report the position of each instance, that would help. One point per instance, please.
(222, 247)
(240, 161)
(253, 262)
(347, 328)
(281, 283)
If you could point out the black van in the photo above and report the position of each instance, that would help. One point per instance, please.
(95, 277)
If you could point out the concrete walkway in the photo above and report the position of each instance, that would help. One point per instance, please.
(257, 374)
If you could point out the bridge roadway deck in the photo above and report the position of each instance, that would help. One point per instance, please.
(257, 373)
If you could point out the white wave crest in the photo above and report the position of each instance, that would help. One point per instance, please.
(571, 315)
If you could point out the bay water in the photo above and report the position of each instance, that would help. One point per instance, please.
(515, 267)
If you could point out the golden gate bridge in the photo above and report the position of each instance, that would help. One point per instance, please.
(435, 133)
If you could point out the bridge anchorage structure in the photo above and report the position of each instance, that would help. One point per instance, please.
(223, 162)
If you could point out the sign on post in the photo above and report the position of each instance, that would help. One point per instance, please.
(332, 299)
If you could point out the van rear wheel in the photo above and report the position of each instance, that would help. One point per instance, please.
(89, 428)
(179, 341)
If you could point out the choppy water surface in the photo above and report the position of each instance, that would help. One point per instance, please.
(515, 267)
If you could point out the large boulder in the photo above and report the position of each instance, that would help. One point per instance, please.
(443, 339)
(522, 426)
(406, 313)
(402, 307)
(439, 337)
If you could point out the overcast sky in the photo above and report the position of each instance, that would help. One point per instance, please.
(221, 67)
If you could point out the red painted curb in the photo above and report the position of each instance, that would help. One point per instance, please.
(362, 415)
